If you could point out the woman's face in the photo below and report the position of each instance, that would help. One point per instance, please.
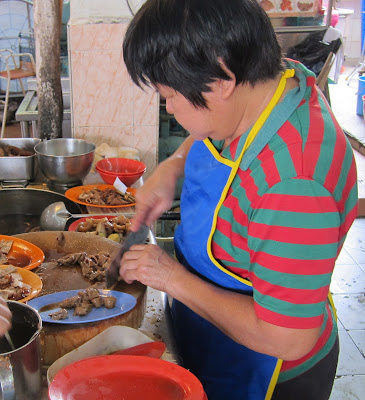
(201, 123)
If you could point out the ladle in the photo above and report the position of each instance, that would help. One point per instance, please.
(55, 216)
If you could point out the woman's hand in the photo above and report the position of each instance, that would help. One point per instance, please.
(232, 313)
(154, 197)
(150, 265)
(157, 193)
(5, 317)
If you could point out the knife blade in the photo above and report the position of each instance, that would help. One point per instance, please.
(138, 237)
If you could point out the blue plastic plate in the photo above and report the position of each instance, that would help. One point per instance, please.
(125, 302)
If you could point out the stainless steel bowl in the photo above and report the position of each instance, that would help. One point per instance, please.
(65, 161)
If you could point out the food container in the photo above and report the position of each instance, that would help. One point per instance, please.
(127, 170)
(20, 369)
(19, 168)
(65, 162)
(21, 208)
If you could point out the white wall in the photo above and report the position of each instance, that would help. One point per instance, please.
(104, 9)
(351, 28)
(99, 9)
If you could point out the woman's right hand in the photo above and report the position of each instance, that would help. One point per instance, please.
(154, 197)
(5, 317)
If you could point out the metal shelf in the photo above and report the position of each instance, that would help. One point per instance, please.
(303, 28)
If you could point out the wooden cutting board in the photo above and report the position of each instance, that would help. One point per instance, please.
(59, 339)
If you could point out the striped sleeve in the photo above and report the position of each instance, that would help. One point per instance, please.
(293, 237)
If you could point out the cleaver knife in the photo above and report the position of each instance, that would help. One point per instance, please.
(139, 237)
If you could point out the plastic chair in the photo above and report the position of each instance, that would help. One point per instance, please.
(322, 78)
(15, 68)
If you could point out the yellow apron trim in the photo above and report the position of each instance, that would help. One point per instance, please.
(330, 299)
(216, 154)
(252, 134)
(274, 379)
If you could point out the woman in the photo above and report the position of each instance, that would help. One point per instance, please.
(269, 195)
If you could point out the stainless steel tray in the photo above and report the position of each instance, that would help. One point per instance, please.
(20, 168)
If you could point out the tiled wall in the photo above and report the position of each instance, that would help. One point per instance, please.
(107, 107)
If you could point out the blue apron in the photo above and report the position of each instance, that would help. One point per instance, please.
(226, 369)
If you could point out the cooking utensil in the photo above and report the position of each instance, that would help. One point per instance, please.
(8, 338)
(151, 349)
(55, 216)
(66, 161)
(20, 209)
(21, 168)
(138, 237)
(20, 369)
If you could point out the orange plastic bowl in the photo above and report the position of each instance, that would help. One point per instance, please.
(118, 166)
(128, 377)
(128, 180)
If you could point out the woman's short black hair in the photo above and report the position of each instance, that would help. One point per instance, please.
(179, 44)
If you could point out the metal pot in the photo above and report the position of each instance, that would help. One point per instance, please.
(20, 209)
(20, 369)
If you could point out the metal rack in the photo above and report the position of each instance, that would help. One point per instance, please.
(303, 24)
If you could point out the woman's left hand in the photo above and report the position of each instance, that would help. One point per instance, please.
(150, 265)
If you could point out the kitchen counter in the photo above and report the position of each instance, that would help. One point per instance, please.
(157, 321)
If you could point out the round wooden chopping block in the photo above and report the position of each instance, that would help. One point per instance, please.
(59, 339)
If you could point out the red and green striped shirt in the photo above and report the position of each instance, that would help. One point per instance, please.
(287, 214)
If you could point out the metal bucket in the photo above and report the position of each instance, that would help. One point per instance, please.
(20, 369)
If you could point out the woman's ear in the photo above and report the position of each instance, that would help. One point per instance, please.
(226, 87)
